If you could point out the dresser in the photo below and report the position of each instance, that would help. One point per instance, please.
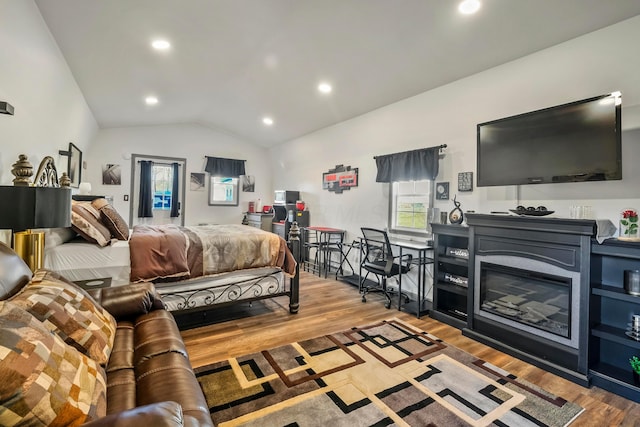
(260, 220)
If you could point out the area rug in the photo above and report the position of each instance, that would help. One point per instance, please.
(385, 374)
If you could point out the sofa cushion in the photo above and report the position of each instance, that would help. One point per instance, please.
(85, 221)
(112, 219)
(69, 312)
(44, 381)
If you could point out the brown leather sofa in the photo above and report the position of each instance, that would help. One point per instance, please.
(149, 379)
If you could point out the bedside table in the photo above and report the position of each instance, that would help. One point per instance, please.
(87, 285)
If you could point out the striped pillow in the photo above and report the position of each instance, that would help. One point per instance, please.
(69, 312)
(44, 381)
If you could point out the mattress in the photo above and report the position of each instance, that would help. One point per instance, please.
(81, 260)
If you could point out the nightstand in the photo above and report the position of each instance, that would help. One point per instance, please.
(103, 282)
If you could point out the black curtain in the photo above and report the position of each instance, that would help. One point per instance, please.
(230, 168)
(175, 204)
(145, 207)
(412, 165)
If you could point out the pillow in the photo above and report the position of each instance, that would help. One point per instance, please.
(69, 312)
(85, 222)
(56, 236)
(112, 219)
(45, 381)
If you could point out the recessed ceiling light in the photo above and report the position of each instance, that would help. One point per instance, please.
(469, 7)
(151, 100)
(161, 44)
(325, 88)
(267, 121)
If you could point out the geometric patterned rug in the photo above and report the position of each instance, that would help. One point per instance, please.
(385, 374)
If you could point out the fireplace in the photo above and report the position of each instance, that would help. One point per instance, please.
(530, 289)
(531, 296)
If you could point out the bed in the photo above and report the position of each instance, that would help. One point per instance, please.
(207, 267)
(195, 269)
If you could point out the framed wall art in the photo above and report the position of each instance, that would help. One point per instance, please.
(74, 164)
(340, 178)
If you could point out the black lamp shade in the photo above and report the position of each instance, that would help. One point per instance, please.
(24, 208)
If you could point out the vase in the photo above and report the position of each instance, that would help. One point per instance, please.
(636, 379)
(629, 228)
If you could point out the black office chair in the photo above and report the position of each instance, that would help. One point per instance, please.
(378, 259)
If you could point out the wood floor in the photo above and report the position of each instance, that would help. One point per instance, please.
(328, 306)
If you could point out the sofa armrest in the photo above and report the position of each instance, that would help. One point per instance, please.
(129, 301)
(161, 414)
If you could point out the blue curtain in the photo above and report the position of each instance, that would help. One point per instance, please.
(145, 207)
(175, 204)
(229, 168)
(413, 165)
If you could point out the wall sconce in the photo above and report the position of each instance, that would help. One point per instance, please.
(6, 108)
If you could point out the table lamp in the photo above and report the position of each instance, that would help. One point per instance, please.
(25, 208)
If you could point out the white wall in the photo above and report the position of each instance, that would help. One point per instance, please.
(193, 142)
(50, 110)
(594, 64)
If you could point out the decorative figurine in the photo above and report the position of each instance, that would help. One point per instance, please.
(456, 216)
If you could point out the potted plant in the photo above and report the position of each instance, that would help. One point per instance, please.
(635, 367)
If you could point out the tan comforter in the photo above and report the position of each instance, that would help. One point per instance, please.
(173, 253)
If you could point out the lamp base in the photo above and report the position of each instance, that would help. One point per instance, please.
(30, 247)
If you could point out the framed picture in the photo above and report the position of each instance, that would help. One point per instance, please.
(223, 191)
(111, 174)
(442, 191)
(248, 183)
(74, 165)
(197, 181)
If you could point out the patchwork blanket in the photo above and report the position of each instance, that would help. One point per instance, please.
(170, 252)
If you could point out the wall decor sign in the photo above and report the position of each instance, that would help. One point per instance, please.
(442, 191)
(465, 181)
(340, 178)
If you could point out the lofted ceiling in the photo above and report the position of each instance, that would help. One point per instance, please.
(233, 62)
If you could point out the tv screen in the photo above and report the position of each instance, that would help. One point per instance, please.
(575, 142)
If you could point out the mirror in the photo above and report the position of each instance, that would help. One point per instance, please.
(223, 191)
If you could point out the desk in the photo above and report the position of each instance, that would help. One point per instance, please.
(421, 261)
(421, 248)
(328, 240)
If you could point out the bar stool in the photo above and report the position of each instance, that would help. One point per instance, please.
(330, 245)
(311, 251)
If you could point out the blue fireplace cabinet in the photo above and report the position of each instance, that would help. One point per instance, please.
(611, 310)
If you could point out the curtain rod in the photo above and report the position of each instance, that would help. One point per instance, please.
(160, 163)
(437, 146)
(224, 158)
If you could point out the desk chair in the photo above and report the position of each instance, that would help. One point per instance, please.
(379, 260)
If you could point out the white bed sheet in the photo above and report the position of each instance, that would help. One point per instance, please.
(81, 260)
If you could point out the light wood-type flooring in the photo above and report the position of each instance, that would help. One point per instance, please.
(328, 306)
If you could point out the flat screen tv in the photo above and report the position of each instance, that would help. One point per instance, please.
(575, 142)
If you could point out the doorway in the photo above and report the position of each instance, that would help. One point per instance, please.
(164, 190)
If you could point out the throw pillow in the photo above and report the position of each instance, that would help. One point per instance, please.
(56, 236)
(44, 381)
(69, 312)
(112, 219)
(85, 222)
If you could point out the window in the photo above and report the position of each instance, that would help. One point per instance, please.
(410, 203)
(162, 181)
(223, 191)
